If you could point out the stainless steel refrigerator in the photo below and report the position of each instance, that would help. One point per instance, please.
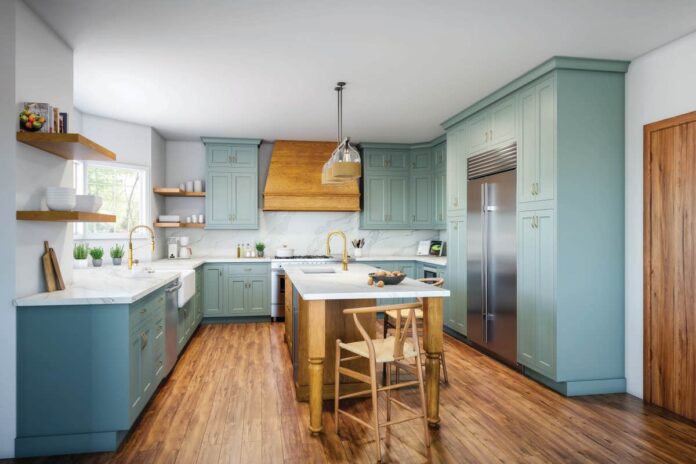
(491, 252)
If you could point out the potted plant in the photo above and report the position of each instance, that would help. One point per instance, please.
(260, 246)
(97, 254)
(117, 251)
(80, 253)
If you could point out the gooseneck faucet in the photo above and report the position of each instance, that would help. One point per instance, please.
(345, 246)
(130, 243)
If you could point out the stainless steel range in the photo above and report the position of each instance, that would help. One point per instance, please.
(278, 279)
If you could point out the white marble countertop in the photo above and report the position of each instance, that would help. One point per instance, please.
(97, 286)
(352, 284)
(437, 260)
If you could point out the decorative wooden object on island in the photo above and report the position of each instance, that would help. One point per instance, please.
(51, 269)
(176, 192)
(64, 216)
(67, 146)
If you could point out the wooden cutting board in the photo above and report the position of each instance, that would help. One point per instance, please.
(49, 274)
(60, 285)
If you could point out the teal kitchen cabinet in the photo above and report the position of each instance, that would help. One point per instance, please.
(214, 290)
(456, 172)
(232, 183)
(536, 145)
(456, 271)
(536, 292)
(198, 298)
(386, 202)
(404, 186)
(570, 160)
(236, 289)
(85, 373)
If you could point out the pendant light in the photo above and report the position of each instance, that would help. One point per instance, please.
(344, 165)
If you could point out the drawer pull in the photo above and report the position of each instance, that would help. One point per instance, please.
(143, 311)
(143, 340)
(247, 269)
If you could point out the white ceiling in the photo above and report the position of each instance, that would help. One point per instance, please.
(267, 68)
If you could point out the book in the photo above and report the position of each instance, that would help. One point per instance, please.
(63, 123)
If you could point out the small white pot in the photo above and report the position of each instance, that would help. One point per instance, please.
(81, 263)
(285, 252)
(357, 252)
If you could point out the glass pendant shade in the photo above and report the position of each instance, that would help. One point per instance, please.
(344, 165)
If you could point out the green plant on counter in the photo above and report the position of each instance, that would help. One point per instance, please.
(260, 246)
(117, 251)
(80, 250)
(96, 253)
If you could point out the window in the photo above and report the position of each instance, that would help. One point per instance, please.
(123, 189)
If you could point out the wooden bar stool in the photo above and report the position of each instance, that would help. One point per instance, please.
(390, 323)
(392, 350)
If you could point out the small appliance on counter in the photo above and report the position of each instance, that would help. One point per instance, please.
(173, 248)
(431, 248)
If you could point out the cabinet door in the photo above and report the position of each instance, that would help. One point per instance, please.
(422, 201)
(477, 132)
(526, 288)
(545, 321)
(398, 159)
(456, 172)
(503, 121)
(219, 156)
(376, 158)
(244, 157)
(182, 327)
(213, 291)
(398, 201)
(147, 363)
(421, 160)
(546, 161)
(218, 201)
(135, 393)
(244, 200)
(456, 270)
(375, 201)
(439, 156)
(527, 145)
(257, 296)
(440, 218)
(236, 288)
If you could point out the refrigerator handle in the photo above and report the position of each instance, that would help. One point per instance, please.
(484, 260)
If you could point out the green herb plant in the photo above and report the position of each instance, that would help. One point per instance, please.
(96, 253)
(80, 250)
(117, 251)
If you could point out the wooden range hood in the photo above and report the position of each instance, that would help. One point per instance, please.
(294, 180)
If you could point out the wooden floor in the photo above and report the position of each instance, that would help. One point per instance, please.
(230, 400)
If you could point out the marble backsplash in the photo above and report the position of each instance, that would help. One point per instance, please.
(306, 233)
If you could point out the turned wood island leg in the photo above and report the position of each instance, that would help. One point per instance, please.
(316, 313)
(432, 344)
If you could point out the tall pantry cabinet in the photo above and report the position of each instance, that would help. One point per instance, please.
(569, 129)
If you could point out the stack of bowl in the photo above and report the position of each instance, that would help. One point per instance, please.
(87, 203)
(60, 198)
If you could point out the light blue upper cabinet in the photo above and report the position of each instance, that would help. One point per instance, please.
(492, 127)
(422, 210)
(232, 183)
(397, 201)
(536, 144)
(456, 171)
(477, 132)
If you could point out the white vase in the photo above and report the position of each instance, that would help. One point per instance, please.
(80, 263)
(357, 252)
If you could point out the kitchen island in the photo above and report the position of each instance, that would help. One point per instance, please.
(316, 297)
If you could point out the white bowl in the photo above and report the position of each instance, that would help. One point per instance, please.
(87, 203)
(59, 191)
(60, 204)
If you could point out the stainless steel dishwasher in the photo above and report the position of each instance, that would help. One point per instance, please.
(171, 318)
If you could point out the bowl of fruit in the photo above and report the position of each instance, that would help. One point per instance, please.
(31, 122)
(382, 278)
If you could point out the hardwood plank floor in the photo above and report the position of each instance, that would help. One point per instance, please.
(230, 400)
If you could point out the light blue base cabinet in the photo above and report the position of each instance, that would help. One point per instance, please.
(567, 118)
(404, 186)
(236, 289)
(231, 201)
(85, 373)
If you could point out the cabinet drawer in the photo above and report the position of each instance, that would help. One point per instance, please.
(247, 269)
(146, 308)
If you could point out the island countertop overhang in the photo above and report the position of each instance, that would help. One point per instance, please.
(352, 284)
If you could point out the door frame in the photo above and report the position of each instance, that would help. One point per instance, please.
(648, 129)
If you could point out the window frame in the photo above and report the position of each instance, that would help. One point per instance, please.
(80, 183)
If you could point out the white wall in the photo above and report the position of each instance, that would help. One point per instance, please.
(135, 145)
(659, 85)
(8, 118)
(304, 231)
(44, 73)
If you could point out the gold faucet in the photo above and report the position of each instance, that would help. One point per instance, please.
(130, 243)
(345, 246)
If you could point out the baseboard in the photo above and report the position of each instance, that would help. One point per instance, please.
(580, 387)
(68, 444)
(236, 320)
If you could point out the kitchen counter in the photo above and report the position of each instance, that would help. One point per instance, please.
(437, 260)
(352, 284)
(106, 285)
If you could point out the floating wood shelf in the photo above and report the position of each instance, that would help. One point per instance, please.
(64, 216)
(183, 225)
(68, 146)
(176, 192)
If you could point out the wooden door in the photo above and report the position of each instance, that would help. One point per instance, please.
(669, 250)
